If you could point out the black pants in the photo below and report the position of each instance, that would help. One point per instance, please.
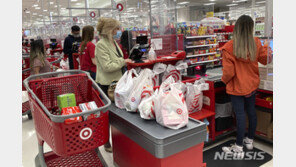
(70, 58)
(93, 75)
(104, 88)
(240, 103)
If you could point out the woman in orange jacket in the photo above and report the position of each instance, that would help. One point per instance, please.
(240, 58)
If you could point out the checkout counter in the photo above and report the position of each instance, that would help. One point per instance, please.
(138, 142)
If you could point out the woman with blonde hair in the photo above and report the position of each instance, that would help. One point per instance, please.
(240, 58)
(108, 54)
(109, 57)
(87, 52)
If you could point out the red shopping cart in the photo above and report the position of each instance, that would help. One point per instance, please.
(72, 144)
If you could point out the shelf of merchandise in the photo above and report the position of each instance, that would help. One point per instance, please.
(199, 46)
(198, 55)
(206, 46)
(223, 33)
(223, 41)
(203, 36)
(208, 61)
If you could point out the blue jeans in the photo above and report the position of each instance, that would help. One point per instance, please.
(240, 103)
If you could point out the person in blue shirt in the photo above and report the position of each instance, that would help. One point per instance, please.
(68, 44)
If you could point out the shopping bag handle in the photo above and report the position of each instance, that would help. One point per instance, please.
(62, 118)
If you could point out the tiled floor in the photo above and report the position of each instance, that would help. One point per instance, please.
(30, 149)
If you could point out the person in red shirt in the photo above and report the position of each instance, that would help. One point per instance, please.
(87, 52)
(126, 43)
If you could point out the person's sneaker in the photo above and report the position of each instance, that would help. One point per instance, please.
(235, 150)
(108, 147)
(248, 143)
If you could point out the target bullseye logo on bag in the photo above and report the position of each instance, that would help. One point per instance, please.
(85, 133)
(179, 111)
(133, 99)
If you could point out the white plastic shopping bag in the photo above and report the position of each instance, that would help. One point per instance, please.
(174, 71)
(166, 85)
(181, 65)
(134, 98)
(194, 95)
(158, 68)
(64, 64)
(170, 108)
(124, 87)
(171, 71)
(147, 106)
(181, 86)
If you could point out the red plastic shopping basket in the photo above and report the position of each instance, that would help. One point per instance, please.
(67, 139)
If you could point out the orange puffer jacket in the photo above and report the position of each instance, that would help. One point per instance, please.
(241, 76)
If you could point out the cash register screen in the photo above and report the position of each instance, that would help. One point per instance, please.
(142, 40)
(144, 50)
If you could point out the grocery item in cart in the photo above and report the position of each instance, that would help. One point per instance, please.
(158, 69)
(134, 98)
(69, 111)
(124, 87)
(66, 100)
(170, 108)
(194, 95)
(86, 107)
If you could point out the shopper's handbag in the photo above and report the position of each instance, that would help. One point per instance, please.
(111, 90)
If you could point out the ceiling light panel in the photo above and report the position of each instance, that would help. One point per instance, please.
(207, 4)
(233, 4)
(183, 3)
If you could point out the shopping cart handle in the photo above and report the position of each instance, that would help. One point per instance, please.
(62, 118)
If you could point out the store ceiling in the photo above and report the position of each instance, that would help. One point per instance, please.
(34, 11)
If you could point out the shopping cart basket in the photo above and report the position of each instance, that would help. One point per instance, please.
(68, 141)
